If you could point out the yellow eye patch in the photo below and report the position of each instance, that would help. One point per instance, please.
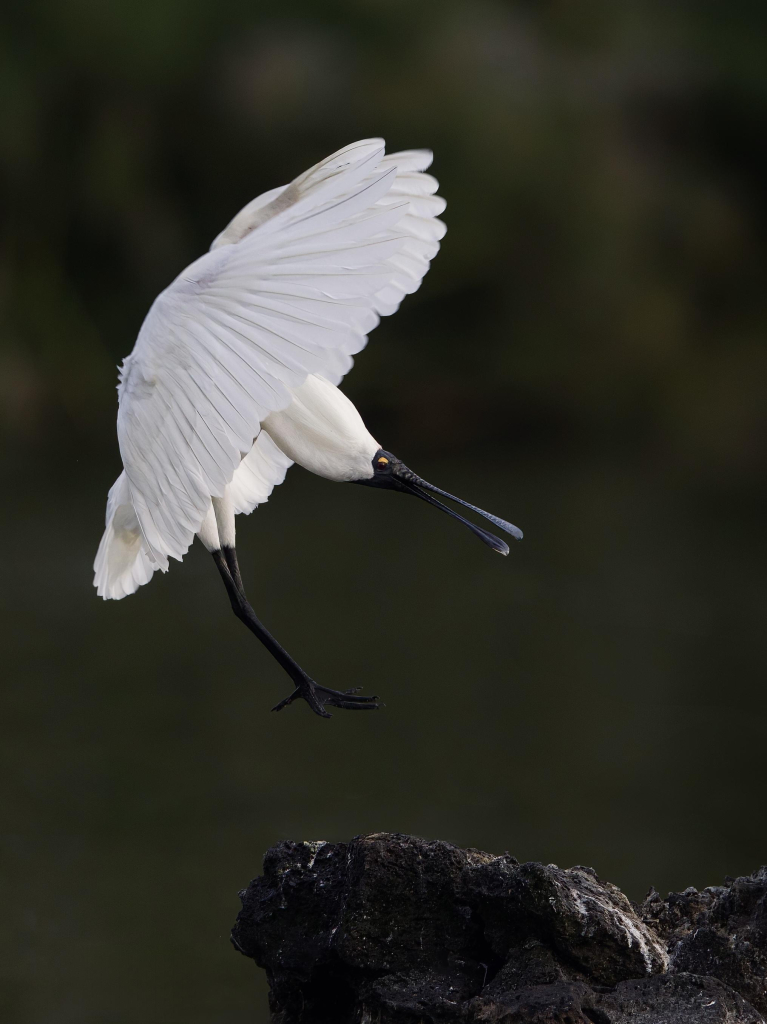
(382, 461)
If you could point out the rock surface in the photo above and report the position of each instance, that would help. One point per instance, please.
(392, 929)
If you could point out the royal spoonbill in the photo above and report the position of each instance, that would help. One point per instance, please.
(234, 374)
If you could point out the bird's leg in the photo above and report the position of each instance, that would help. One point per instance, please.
(226, 563)
(316, 696)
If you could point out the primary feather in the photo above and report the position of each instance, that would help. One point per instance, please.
(290, 288)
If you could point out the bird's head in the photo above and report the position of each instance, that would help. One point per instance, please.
(390, 473)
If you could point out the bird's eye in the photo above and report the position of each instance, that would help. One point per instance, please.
(382, 463)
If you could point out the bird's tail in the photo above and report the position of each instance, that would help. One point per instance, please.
(123, 561)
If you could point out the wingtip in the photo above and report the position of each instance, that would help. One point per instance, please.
(373, 145)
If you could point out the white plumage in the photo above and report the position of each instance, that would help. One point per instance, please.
(233, 374)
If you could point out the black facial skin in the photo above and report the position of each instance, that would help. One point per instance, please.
(392, 474)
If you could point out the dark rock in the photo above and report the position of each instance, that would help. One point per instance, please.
(660, 999)
(560, 1003)
(675, 999)
(391, 928)
(526, 966)
(720, 932)
(587, 923)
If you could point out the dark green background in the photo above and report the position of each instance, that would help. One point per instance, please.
(587, 357)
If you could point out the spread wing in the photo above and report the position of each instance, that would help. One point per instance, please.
(291, 287)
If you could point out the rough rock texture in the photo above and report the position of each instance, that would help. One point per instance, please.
(392, 929)
(721, 932)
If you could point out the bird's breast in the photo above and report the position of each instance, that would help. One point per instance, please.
(322, 431)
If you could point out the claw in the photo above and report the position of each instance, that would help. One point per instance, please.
(307, 695)
(350, 696)
(356, 707)
(314, 697)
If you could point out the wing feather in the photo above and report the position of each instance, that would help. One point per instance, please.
(258, 474)
(291, 287)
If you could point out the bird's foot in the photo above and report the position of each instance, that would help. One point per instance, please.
(317, 697)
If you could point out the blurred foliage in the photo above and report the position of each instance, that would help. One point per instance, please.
(604, 166)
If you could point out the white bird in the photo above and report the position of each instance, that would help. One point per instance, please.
(233, 376)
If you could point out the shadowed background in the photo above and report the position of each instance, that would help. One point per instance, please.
(586, 358)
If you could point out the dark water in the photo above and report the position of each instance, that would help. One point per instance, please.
(598, 697)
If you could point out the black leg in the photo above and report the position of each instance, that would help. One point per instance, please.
(316, 696)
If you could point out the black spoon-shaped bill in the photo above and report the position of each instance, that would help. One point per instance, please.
(391, 473)
(484, 535)
(515, 532)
